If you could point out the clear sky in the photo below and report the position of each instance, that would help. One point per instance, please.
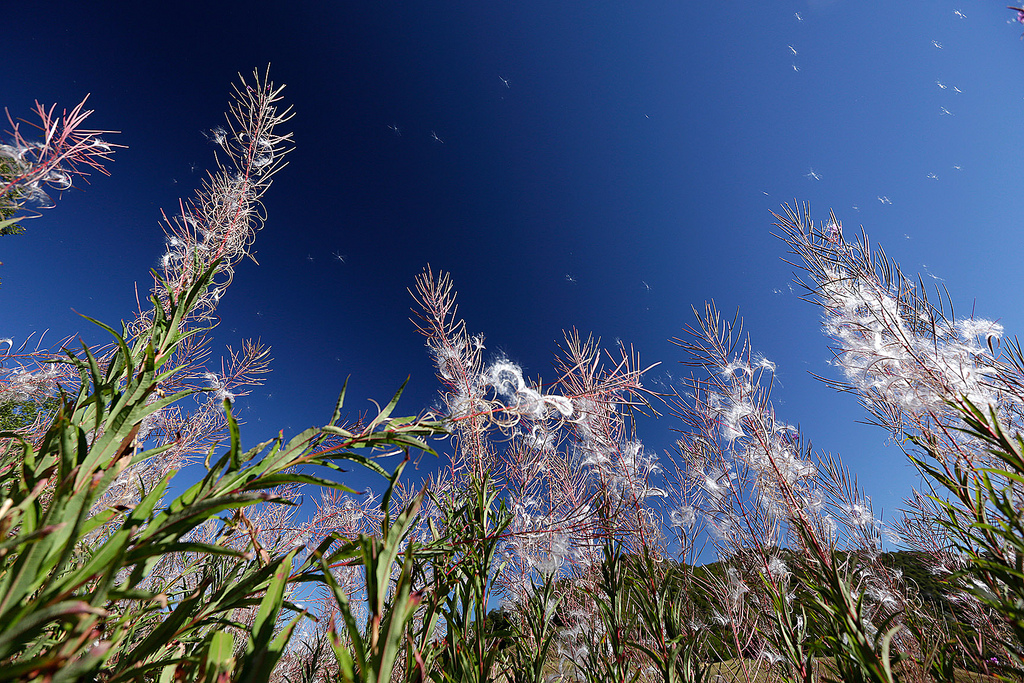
(600, 165)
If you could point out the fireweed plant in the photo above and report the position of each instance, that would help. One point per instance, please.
(802, 589)
(547, 500)
(103, 575)
(32, 166)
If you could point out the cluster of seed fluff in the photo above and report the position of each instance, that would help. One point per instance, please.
(622, 466)
(62, 152)
(557, 456)
(537, 542)
(751, 474)
(503, 382)
(22, 384)
(584, 635)
(898, 351)
(219, 225)
(886, 355)
(545, 533)
(624, 471)
(218, 389)
(577, 480)
(25, 161)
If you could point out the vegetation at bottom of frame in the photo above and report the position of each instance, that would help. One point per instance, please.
(10, 201)
(938, 596)
(15, 415)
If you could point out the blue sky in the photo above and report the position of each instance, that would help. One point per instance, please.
(625, 172)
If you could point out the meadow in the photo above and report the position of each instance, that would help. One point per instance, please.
(550, 545)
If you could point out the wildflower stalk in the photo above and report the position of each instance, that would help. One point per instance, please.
(993, 540)
(220, 223)
(570, 468)
(475, 526)
(100, 576)
(376, 647)
(56, 598)
(662, 634)
(917, 369)
(535, 634)
(63, 153)
(608, 657)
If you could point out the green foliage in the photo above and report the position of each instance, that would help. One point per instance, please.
(392, 604)
(664, 635)
(87, 593)
(463, 562)
(528, 656)
(178, 587)
(608, 655)
(16, 415)
(10, 201)
(983, 516)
